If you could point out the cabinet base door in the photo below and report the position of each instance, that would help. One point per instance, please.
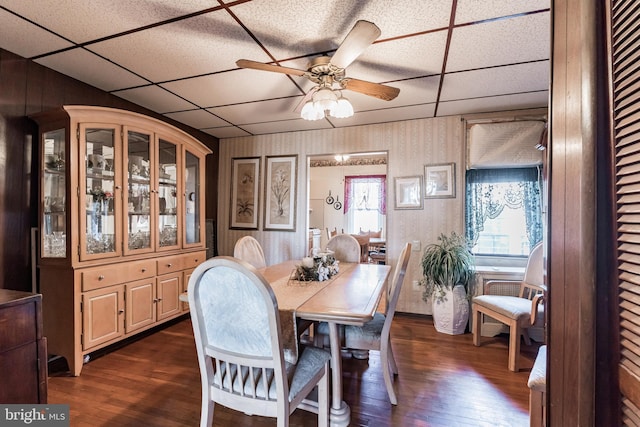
(102, 316)
(169, 289)
(140, 311)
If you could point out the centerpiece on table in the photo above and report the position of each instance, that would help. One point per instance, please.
(319, 267)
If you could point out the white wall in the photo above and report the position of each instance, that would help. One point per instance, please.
(410, 145)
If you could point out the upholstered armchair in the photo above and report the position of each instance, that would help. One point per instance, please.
(239, 344)
(518, 312)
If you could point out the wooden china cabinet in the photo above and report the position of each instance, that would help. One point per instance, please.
(121, 225)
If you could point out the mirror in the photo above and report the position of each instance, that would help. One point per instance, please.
(365, 174)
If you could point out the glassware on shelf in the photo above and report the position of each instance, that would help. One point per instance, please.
(53, 187)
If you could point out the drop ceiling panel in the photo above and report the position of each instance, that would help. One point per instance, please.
(397, 59)
(222, 88)
(508, 41)
(474, 10)
(25, 39)
(94, 19)
(496, 81)
(178, 58)
(287, 126)
(519, 101)
(200, 45)
(387, 115)
(155, 98)
(198, 119)
(259, 112)
(88, 67)
(226, 132)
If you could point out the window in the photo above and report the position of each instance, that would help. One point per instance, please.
(365, 202)
(504, 214)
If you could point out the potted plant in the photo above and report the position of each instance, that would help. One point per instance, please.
(448, 271)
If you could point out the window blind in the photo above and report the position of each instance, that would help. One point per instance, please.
(504, 144)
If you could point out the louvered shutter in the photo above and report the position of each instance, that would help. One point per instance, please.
(625, 43)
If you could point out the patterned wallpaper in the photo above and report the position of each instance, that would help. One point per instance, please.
(410, 146)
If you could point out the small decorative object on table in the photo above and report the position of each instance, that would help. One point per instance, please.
(319, 267)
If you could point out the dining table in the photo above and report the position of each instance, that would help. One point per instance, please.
(350, 297)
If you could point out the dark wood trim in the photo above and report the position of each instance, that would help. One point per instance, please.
(571, 248)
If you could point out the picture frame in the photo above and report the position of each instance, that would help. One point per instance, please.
(440, 181)
(408, 192)
(245, 190)
(280, 193)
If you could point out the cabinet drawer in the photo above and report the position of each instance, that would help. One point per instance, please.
(140, 270)
(99, 277)
(192, 260)
(17, 326)
(170, 264)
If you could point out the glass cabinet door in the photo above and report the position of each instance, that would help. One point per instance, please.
(138, 224)
(168, 201)
(192, 199)
(54, 210)
(98, 180)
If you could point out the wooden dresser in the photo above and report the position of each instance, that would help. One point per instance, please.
(23, 349)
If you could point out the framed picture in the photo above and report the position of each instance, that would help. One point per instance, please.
(408, 192)
(280, 193)
(440, 181)
(245, 187)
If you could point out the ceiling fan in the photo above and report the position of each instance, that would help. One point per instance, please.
(329, 70)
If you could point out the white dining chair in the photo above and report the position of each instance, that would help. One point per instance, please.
(239, 343)
(346, 248)
(248, 249)
(376, 333)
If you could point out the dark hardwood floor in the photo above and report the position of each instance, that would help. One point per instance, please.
(443, 381)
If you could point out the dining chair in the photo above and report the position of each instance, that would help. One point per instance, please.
(363, 241)
(332, 233)
(518, 312)
(376, 333)
(239, 343)
(346, 248)
(248, 249)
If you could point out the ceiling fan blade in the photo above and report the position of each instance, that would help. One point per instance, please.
(359, 38)
(377, 90)
(246, 63)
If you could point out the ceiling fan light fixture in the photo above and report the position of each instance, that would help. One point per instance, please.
(325, 99)
(310, 112)
(343, 109)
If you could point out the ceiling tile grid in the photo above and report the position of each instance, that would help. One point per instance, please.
(179, 58)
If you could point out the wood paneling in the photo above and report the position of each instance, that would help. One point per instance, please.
(27, 88)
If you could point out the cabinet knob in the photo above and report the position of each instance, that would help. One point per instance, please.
(101, 277)
(120, 311)
(169, 265)
(196, 259)
(144, 270)
(118, 187)
(159, 299)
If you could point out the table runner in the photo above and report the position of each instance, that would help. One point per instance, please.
(290, 295)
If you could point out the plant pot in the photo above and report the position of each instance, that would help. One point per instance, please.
(451, 314)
